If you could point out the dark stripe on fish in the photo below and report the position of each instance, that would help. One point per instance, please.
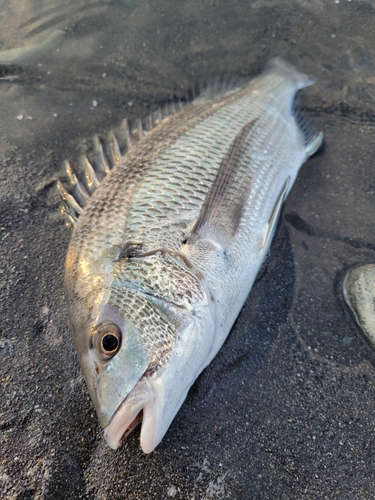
(225, 203)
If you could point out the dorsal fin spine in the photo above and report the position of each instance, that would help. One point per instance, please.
(90, 173)
(100, 157)
(69, 199)
(140, 129)
(126, 130)
(81, 191)
(115, 149)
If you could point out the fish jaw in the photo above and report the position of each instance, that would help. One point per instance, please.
(126, 416)
(161, 395)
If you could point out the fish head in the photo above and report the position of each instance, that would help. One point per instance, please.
(107, 342)
(139, 355)
(111, 356)
(162, 389)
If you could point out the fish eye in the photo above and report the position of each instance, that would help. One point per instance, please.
(110, 343)
(107, 340)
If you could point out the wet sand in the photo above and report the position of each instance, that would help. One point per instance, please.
(286, 410)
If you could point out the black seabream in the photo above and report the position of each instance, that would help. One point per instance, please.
(166, 249)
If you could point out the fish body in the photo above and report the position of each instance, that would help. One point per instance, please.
(167, 249)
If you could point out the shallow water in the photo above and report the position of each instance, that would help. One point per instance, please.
(286, 408)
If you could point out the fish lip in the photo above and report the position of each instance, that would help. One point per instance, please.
(128, 414)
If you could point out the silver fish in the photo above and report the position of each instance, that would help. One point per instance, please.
(166, 250)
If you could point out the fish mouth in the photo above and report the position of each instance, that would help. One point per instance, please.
(129, 414)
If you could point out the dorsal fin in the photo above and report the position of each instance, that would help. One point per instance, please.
(223, 208)
(90, 174)
(99, 158)
(111, 150)
(107, 152)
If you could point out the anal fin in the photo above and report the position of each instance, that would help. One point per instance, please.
(312, 137)
(314, 144)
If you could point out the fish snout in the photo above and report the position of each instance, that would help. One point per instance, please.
(129, 414)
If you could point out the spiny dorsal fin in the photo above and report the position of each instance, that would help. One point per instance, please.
(90, 174)
(99, 158)
(108, 152)
(70, 205)
(224, 205)
(111, 150)
(78, 189)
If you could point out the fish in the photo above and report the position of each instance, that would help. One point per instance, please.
(359, 295)
(169, 237)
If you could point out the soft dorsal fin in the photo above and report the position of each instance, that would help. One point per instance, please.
(223, 208)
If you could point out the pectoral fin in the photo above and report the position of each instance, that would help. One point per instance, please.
(225, 203)
(272, 223)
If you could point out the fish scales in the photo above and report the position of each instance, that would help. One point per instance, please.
(168, 247)
(115, 194)
(156, 331)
